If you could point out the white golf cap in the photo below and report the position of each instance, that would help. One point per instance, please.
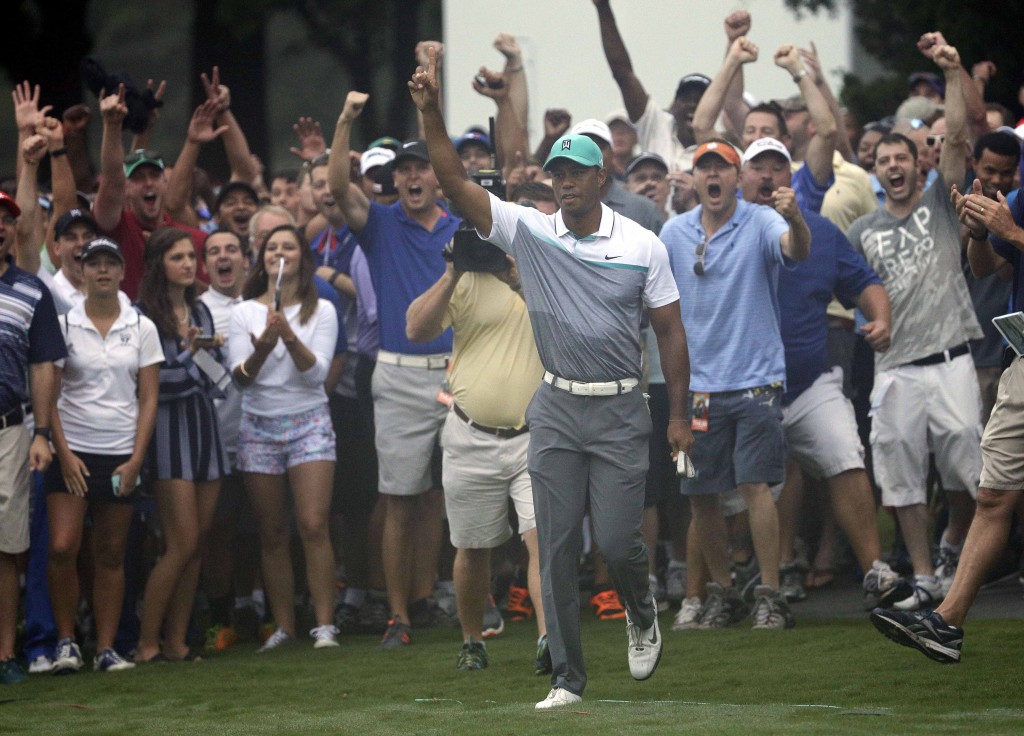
(766, 145)
(593, 127)
(375, 157)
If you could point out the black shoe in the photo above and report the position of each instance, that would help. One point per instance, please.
(925, 631)
(346, 618)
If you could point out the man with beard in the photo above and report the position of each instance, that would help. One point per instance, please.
(925, 397)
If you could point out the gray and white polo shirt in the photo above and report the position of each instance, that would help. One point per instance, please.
(585, 295)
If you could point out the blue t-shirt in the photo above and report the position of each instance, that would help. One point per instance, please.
(731, 313)
(405, 260)
(29, 333)
(335, 248)
(833, 267)
(1010, 253)
(325, 291)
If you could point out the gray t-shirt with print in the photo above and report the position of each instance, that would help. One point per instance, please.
(918, 260)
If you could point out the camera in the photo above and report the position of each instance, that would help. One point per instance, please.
(469, 253)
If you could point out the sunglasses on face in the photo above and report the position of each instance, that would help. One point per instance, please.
(935, 140)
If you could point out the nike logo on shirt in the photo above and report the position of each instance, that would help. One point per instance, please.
(611, 258)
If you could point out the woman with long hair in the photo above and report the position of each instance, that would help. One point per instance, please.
(186, 458)
(101, 428)
(282, 339)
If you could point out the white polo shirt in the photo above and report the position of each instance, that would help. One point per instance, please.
(98, 403)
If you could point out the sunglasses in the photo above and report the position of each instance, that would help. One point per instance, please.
(319, 160)
(698, 267)
(935, 140)
(142, 153)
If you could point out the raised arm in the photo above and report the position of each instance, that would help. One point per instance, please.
(741, 51)
(63, 187)
(110, 196)
(27, 114)
(823, 143)
(952, 164)
(515, 77)
(29, 230)
(634, 96)
(141, 140)
(470, 199)
(235, 144)
(737, 24)
(201, 129)
(349, 197)
(556, 123)
(812, 63)
(970, 94)
(509, 128)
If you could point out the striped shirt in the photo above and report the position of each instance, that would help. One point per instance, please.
(29, 333)
(179, 375)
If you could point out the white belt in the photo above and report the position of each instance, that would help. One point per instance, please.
(600, 388)
(430, 362)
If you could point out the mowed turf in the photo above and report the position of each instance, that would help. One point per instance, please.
(823, 677)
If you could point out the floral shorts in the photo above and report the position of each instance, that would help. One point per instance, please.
(271, 445)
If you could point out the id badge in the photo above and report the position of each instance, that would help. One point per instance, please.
(699, 411)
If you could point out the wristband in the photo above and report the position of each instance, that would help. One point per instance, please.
(514, 69)
(44, 432)
(241, 369)
(334, 278)
(799, 75)
(62, 151)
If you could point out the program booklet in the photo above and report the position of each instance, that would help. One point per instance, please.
(1011, 326)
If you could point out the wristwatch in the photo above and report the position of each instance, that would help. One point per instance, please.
(44, 432)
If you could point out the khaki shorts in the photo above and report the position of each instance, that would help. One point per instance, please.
(481, 473)
(408, 419)
(14, 489)
(1002, 446)
(821, 429)
(920, 409)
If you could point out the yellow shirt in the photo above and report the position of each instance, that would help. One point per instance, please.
(850, 197)
(495, 368)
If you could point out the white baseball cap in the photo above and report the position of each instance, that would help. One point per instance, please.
(765, 145)
(375, 157)
(594, 127)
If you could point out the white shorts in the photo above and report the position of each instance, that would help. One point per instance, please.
(408, 419)
(14, 489)
(481, 472)
(920, 409)
(1002, 445)
(821, 428)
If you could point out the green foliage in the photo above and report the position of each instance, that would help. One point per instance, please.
(888, 30)
(821, 677)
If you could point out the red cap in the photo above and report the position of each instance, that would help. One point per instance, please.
(724, 150)
(7, 201)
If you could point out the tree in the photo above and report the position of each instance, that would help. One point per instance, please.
(889, 29)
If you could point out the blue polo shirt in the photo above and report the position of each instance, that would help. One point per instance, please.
(731, 313)
(1011, 254)
(405, 260)
(325, 291)
(809, 193)
(334, 248)
(833, 267)
(29, 333)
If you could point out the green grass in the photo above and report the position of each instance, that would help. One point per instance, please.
(822, 677)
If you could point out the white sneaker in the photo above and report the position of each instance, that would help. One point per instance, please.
(689, 615)
(927, 593)
(325, 636)
(558, 698)
(644, 648)
(40, 665)
(675, 581)
(278, 639)
(68, 657)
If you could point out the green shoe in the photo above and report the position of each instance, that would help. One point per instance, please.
(11, 672)
(542, 664)
(472, 657)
